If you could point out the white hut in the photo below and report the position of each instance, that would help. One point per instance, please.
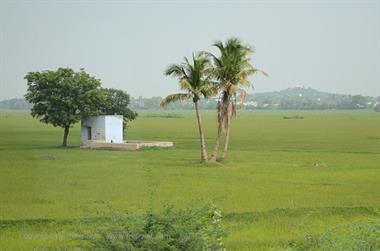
(104, 128)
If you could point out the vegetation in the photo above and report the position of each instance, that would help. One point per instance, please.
(173, 115)
(116, 102)
(287, 185)
(349, 236)
(291, 98)
(227, 75)
(302, 98)
(177, 230)
(278, 100)
(231, 71)
(192, 79)
(290, 183)
(294, 117)
(15, 104)
(62, 97)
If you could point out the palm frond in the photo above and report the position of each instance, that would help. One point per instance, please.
(173, 98)
(243, 97)
(174, 70)
(263, 72)
(219, 45)
(210, 90)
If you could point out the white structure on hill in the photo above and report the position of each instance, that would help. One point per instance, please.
(104, 128)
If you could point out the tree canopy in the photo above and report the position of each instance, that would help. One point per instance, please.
(116, 102)
(194, 81)
(62, 97)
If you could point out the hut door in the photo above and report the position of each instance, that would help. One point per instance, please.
(89, 136)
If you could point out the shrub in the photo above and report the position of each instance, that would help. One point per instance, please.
(353, 236)
(172, 230)
(170, 115)
(293, 117)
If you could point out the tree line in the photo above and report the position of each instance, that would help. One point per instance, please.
(257, 101)
(271, 101)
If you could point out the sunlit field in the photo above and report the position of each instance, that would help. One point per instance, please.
(285, 183)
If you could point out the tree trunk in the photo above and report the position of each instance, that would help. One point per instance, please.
(204, 157)
(65, 134)
(217, 142)
(227, 139)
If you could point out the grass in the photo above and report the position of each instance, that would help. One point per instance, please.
(283, 180)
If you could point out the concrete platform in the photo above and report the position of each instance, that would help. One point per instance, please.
(127, 145)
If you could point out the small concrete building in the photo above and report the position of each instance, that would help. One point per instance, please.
(103, 128)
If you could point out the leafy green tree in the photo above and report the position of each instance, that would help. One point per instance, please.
(194, 80)
(62, 96)
(116, 102)
(231, 70)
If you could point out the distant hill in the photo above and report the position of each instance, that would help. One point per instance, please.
(294, 93)
(296, 97)
(300, 97)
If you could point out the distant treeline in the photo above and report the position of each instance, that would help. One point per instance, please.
(292, 98)
(15, 104)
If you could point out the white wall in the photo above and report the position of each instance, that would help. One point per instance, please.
(114, 129)
(108, 128)
(97, 125)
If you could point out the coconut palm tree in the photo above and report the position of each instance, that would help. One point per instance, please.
(231, 71)
(194, 80)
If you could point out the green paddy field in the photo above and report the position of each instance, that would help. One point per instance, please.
(287, 184)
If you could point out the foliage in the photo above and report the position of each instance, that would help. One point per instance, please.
(62, 97)
(293, 117)
(284, 100)
(165, 115)
(291, 98)
(231, 70)
(182, 230)
(193, 78)
(363, 236)
(116, 102)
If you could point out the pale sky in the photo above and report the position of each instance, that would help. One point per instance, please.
(331, 46)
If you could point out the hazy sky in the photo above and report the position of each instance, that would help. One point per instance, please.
(328, 45)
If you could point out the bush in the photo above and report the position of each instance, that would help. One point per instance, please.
(348, 237)
(170, 115)
(185, 230)
(293, 117)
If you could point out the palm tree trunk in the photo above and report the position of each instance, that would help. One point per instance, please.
(217, 142)
(65, 134)
(204, 157)
(227, 139)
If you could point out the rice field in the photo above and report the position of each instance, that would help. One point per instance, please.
(287, 184)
